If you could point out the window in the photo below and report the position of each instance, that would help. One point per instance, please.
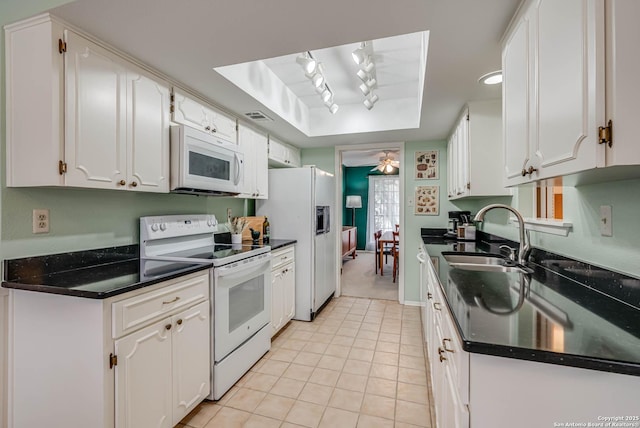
(384, 205)
(549, 204)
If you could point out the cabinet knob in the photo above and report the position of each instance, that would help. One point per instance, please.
(429, 296)
(122, 182)
(524, 172)
(134, 184)
(168, 326)
(531, 170)
(179, 322)
(442, 357)
(207, 128)
(214, 129)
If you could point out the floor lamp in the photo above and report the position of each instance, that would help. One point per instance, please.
(353, 202)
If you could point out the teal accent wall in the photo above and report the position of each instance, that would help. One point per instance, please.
(81, 218)
(356, 181)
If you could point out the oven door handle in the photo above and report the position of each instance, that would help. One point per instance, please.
(242, 270)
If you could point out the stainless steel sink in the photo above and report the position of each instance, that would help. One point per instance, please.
(483, 262)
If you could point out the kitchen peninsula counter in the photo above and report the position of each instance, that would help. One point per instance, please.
(549, 316)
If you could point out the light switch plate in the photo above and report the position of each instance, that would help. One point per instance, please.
(606, 222)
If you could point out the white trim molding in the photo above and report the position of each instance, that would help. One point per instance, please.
(550, 226)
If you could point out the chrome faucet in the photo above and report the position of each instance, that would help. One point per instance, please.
(525, 248)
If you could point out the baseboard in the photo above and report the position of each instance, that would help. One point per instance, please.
(412, 303)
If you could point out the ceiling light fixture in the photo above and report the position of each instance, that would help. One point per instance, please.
(314, 71)
(492, 78)
(363, 57)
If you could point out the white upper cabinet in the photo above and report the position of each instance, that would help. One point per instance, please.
(256, 168)
(558, 78)
(473, 150)
(191, 112)
(105, 121)
(281, 154)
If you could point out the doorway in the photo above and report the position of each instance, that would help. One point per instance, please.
(360, 277)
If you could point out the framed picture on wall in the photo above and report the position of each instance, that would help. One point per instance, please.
(427, 200)
(427, 165)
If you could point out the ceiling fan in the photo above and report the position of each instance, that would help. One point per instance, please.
(387, 163)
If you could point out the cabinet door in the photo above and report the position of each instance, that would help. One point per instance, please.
(261, 165)
(277, 312)
(462, 170)
(454, 413)
(143, 378)
(224, 126)
(516, 68)
(246, 140)
(289, 293)
(147, 133)
(95, 116)
(188, 111)
(570, 85)
(4, 337)
(191, 345)
(277, 151)
(293, 157)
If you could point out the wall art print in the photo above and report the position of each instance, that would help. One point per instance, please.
(427, 165)
(427, 200)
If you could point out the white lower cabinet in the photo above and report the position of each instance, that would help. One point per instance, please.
(163, 370)
(283, 291)
(140, 359)
(4, 337)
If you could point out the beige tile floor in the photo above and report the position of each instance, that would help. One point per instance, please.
(360, 363)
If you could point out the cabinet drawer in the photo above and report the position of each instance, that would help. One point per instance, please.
(282, 257)
(143, 309)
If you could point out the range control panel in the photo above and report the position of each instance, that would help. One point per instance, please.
(171, 226)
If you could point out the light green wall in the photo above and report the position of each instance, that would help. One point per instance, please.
(620, 252)
(323, 158)
(414, 222)
(80, 218)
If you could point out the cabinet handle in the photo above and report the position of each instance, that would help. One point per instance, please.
(122, 182)
(214, 129)
(437, 306)
(207, 128)
(171, 301)
(134, 184)
(168, 326)
(444, 345)
(524, 172)
(442, 357)
(531, 170)
(429, 296)
(179, 322)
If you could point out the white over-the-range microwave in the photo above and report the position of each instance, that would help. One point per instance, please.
(204, 164)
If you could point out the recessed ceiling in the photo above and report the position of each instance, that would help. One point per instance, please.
(187, 40)
(399, 64)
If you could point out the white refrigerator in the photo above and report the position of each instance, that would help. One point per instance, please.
(294, 195)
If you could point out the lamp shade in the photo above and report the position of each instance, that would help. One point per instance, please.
(354, 201)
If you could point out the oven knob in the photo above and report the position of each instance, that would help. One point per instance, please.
(163, 226)
(154, 227)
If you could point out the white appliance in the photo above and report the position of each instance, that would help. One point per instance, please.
(241, 288)
(301, 207)
(202, 163)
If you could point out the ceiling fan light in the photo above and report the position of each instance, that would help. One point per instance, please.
(388, 168)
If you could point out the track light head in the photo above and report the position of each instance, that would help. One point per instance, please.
(364, 88)
(359, 55)
(369, 102)
(334, 108)
(326, 95)
(308, 63)
(318, 80)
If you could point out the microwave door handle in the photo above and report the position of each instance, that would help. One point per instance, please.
(237, 161)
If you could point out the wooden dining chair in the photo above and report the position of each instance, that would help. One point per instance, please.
(397, 228)
(395, 250)
(386, 251)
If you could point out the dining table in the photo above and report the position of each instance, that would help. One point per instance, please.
(386, 238)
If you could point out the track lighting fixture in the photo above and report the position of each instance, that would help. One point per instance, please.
(314, 71)
(363, 57)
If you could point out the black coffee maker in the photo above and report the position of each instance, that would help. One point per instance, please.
(457, 218)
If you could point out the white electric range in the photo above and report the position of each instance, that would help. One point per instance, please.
(240, 293)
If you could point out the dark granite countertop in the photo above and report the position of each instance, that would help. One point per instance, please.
(94, 274)
(280, 243)
(549, 316)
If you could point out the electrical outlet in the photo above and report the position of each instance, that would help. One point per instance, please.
(41, 221)
(606, 226)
